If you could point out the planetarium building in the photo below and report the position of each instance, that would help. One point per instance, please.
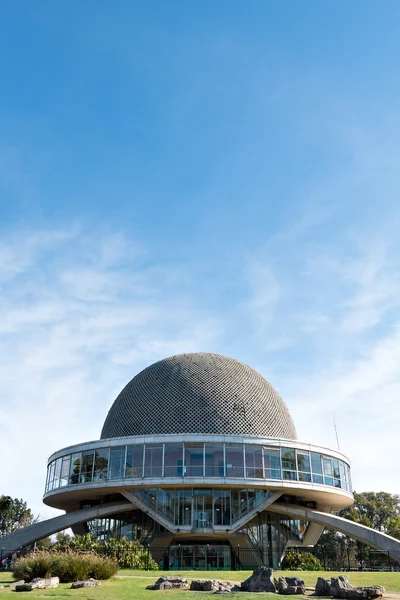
(199, 460)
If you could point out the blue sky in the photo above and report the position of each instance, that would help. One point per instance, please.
(214, 176)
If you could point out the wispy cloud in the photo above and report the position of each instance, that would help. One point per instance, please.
(80, 315)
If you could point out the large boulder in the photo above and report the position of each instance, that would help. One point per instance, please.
(322, 587)
(260, 581)
(85, 584)
(38, 584)
(340, 587)
(213, 585)
(291, 586)
(168, 582)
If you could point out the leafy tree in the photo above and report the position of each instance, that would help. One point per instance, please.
(379, 510)
(374, 509)
(14, 514)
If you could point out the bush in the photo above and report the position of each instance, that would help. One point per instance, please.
(68, 566)
(301, 561)
(129, 555)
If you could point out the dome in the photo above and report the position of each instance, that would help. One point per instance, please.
(199, 393)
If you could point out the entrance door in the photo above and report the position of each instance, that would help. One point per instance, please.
(202, 509)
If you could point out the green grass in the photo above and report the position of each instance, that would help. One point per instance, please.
(131, 585)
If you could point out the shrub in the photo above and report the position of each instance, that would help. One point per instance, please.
(129, 555)
(301, 561)
(68, 566)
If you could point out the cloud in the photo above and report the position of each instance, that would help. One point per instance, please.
(81, 315)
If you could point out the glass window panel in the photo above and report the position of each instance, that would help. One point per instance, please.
(101, 464)
(304, 476)
(292, 475)
(317, 478)
(243, 501)
(116, 462)
(316, 464)
(342, 473)
(194, 458)
(134, 461)
(184, 507)
(303, 463)
(288, 459)
(75, 468)
(328, 471)
(214, 459)
(222, 507)
(234, 504)
(335, 465)
(327, 466)
(57, 471)
(173, 460)
(65, 468)
(87, 466)
(234, 460)
(253, 457)
(272, 463)
(153, 460)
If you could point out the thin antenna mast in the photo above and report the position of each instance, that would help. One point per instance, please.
(337, 439)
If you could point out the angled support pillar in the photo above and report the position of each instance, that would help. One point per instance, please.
(364, 534)
(248, 516)
(29, 535)
(137, 503)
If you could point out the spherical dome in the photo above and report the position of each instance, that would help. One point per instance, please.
(199, 393)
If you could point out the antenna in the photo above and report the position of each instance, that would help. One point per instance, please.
(337, 439)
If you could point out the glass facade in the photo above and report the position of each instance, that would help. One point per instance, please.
(202, 507)
(197, 459)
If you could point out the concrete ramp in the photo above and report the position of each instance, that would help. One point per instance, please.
(364, 534)
(29, 535)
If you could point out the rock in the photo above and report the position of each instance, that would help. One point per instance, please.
(214, 585)
(37, 584)
(291, 586)
(340, 587)
(259, 581)
(322, 587)
(12, 586)
(168, 582)
(84, 584)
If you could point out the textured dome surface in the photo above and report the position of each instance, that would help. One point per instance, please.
(199, 393)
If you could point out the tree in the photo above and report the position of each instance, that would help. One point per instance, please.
(374, 509)
(379, 510)
(14, 514)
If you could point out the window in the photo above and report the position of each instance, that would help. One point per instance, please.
(194, 459)
(304, 467)
(214, 460)
(173, 460)
(134, 461)
(222, 507)
(153, 460)
(57, 473)
(87, 466)
(117, 461)
(254, 461)
(234, 460)
(328, 471)
(65, 468)
(101, 464)
(336, 472)
(75, 468)
(316, 468)
(272, 463)
(289, 463)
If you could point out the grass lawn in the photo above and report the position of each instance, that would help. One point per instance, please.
(130, 585)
